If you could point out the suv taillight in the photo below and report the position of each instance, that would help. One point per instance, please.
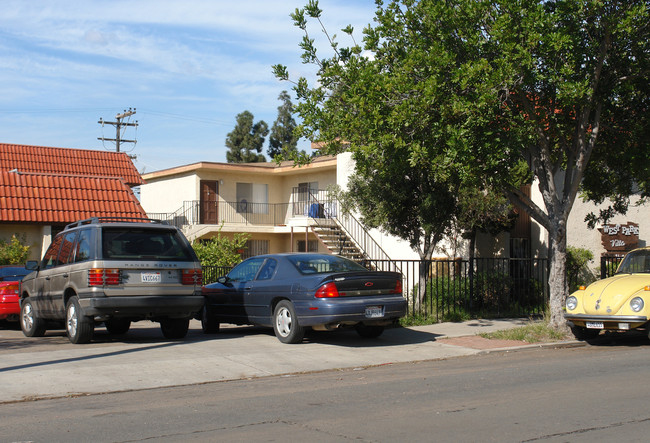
(192, 276)
(102, 276)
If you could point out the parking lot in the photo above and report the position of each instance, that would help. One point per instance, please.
(51, 366)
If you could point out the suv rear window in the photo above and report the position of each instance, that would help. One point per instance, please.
(143, 244)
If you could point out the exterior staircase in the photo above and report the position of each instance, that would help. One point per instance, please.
(337, 241)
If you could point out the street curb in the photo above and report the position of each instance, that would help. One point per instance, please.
(554, 345)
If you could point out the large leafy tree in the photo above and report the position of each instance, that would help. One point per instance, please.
(283, 140)
(246, 140)
(489, 87)
(416, 203)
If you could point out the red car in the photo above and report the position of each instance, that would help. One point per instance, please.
(10, 277)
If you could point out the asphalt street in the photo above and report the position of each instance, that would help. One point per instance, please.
(50, 367)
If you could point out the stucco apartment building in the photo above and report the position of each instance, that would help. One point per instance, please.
(288, 208)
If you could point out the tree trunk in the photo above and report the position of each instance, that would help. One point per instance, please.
(422, 285)
(557, 281)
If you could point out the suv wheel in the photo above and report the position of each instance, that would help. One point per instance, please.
(173, 328)
(79, 327)
(31, 325)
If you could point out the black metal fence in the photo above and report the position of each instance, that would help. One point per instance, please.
(608, 265)
(447, 290)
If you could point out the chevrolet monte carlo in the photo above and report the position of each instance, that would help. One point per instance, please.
(621, 302)
(296, 291)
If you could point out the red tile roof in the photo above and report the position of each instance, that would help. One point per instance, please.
(68, 161)
(48, 198)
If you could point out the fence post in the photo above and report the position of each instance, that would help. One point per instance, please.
(471, 282)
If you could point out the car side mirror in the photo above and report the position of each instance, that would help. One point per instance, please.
(31, 265)
(222, 280)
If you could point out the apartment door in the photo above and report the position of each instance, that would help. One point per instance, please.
(209, 197)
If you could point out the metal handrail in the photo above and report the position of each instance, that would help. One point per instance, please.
(351, 227)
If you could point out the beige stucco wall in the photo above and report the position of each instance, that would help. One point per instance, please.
(395, 247)
(168, 195)
(580, 236)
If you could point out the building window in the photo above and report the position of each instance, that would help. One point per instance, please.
(252, 198)
(311, 244)
(255, 247)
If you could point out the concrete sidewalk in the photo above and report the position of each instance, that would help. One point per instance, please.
(33, 368)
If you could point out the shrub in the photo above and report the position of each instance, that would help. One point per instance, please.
(221, 251)
(13, 252)
(578, 272)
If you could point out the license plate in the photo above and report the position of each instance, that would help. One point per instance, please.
(595, 325)
(374, 311)
(151, 277)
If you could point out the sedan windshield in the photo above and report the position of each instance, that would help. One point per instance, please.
(635, 262)
(321, 264)
(13, 273)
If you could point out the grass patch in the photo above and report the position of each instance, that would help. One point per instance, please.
(417, 320)
(423, 320)
(533, 332)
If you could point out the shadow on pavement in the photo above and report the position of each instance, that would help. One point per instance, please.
(612, 338)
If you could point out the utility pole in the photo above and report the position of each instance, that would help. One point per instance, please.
(118, 126)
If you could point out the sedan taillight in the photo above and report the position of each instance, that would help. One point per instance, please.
(192, 276)
(10, 289)
(104, 276)
(328, 290)
(398, 288)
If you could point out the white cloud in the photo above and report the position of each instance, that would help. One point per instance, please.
(202, 59)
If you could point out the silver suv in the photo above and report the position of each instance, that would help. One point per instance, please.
(116, 271)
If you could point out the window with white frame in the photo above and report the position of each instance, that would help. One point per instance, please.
(253, 198)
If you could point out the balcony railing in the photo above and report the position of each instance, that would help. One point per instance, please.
(194, 212)
(318, 205)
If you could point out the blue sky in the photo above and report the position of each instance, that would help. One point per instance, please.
(188, 67)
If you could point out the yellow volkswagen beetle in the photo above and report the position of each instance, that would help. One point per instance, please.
(620, 302)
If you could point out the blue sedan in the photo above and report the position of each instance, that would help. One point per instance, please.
(293, 292)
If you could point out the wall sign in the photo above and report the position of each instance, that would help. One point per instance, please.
(620, 238)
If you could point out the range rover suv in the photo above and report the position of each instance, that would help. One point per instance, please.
(115, 271)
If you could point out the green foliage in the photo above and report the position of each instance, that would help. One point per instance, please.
(469, 91)
(13, 252)
(486, 294)
(483, 211)
(220, 250)
(283, 141)
(245, 141)
(577, 270)
(385, 183)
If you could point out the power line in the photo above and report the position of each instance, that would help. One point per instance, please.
(119, 124)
